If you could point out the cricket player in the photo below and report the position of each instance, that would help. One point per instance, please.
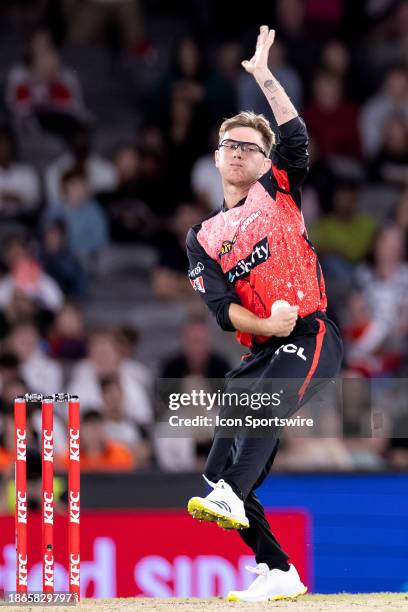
(245, 258)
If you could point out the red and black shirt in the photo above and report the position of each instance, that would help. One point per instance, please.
(258, 252)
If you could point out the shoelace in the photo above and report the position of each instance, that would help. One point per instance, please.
(214, 485)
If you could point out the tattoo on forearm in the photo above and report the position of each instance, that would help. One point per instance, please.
(270, 85)
(273, 86)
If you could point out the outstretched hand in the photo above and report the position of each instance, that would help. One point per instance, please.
(260, 58)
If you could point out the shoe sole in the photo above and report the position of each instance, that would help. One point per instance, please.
(198, 511)
(276, 598)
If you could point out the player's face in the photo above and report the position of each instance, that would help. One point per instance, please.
(238, 167)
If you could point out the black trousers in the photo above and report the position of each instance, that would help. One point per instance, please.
(296, 367)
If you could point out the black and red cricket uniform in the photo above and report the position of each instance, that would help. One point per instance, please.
(254, 254)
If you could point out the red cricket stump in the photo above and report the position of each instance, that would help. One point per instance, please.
(47, 505)
(20, 463)
(74, 496)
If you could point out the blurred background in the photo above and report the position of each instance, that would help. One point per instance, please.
(109, 117)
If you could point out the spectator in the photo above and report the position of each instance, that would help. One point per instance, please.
(19, 184)
(87, 228)
(130, 219)
(390, 100)
(290, 25)
(187, 121)
(342, 238)
(310, 454)
(66, 339)
(205, 178)
(345, 234)
(45, 90)
(21, 309)
(120, 427)
(390, 165)
(196, 366)
(60, 263)
(186, 76)
(128, 337)
(332, 118)
(154, 170)
(197, 356)
(222, 84)
(377, 330)
(105, 358)
(100, 173)
(335, 58)
(99, 452)
(40, 373)
(322, 177)
(170, 281)
(26, 276)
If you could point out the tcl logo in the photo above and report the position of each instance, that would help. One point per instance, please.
(48, 453)
(21, 507)
(292, 348)
(74, 444)
(48, 506)
(21, 444)
(49, 570)
(74, 570)
(22, 570)
(74, 507)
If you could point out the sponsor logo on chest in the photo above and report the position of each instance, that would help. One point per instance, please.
(260, 253)
(249, 220)
(227, 246)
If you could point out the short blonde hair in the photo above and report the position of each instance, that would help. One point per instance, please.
(252, 120)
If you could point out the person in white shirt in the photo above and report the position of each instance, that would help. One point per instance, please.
(205, 178)
(101, 173)
(105, 359)
(27, 277)
(40, 373)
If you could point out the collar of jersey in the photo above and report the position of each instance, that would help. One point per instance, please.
(240, 203)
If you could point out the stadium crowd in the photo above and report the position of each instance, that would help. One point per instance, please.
(109, 119)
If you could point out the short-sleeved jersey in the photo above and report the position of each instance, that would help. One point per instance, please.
(258, 251)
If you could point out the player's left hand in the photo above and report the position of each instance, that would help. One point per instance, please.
(264, 42)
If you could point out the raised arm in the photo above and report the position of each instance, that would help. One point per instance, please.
(281, 105)
(290, 157)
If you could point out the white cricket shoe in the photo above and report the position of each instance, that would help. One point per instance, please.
(270, 585)
(221, 506)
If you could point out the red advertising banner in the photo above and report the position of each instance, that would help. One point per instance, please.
(153, 553)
